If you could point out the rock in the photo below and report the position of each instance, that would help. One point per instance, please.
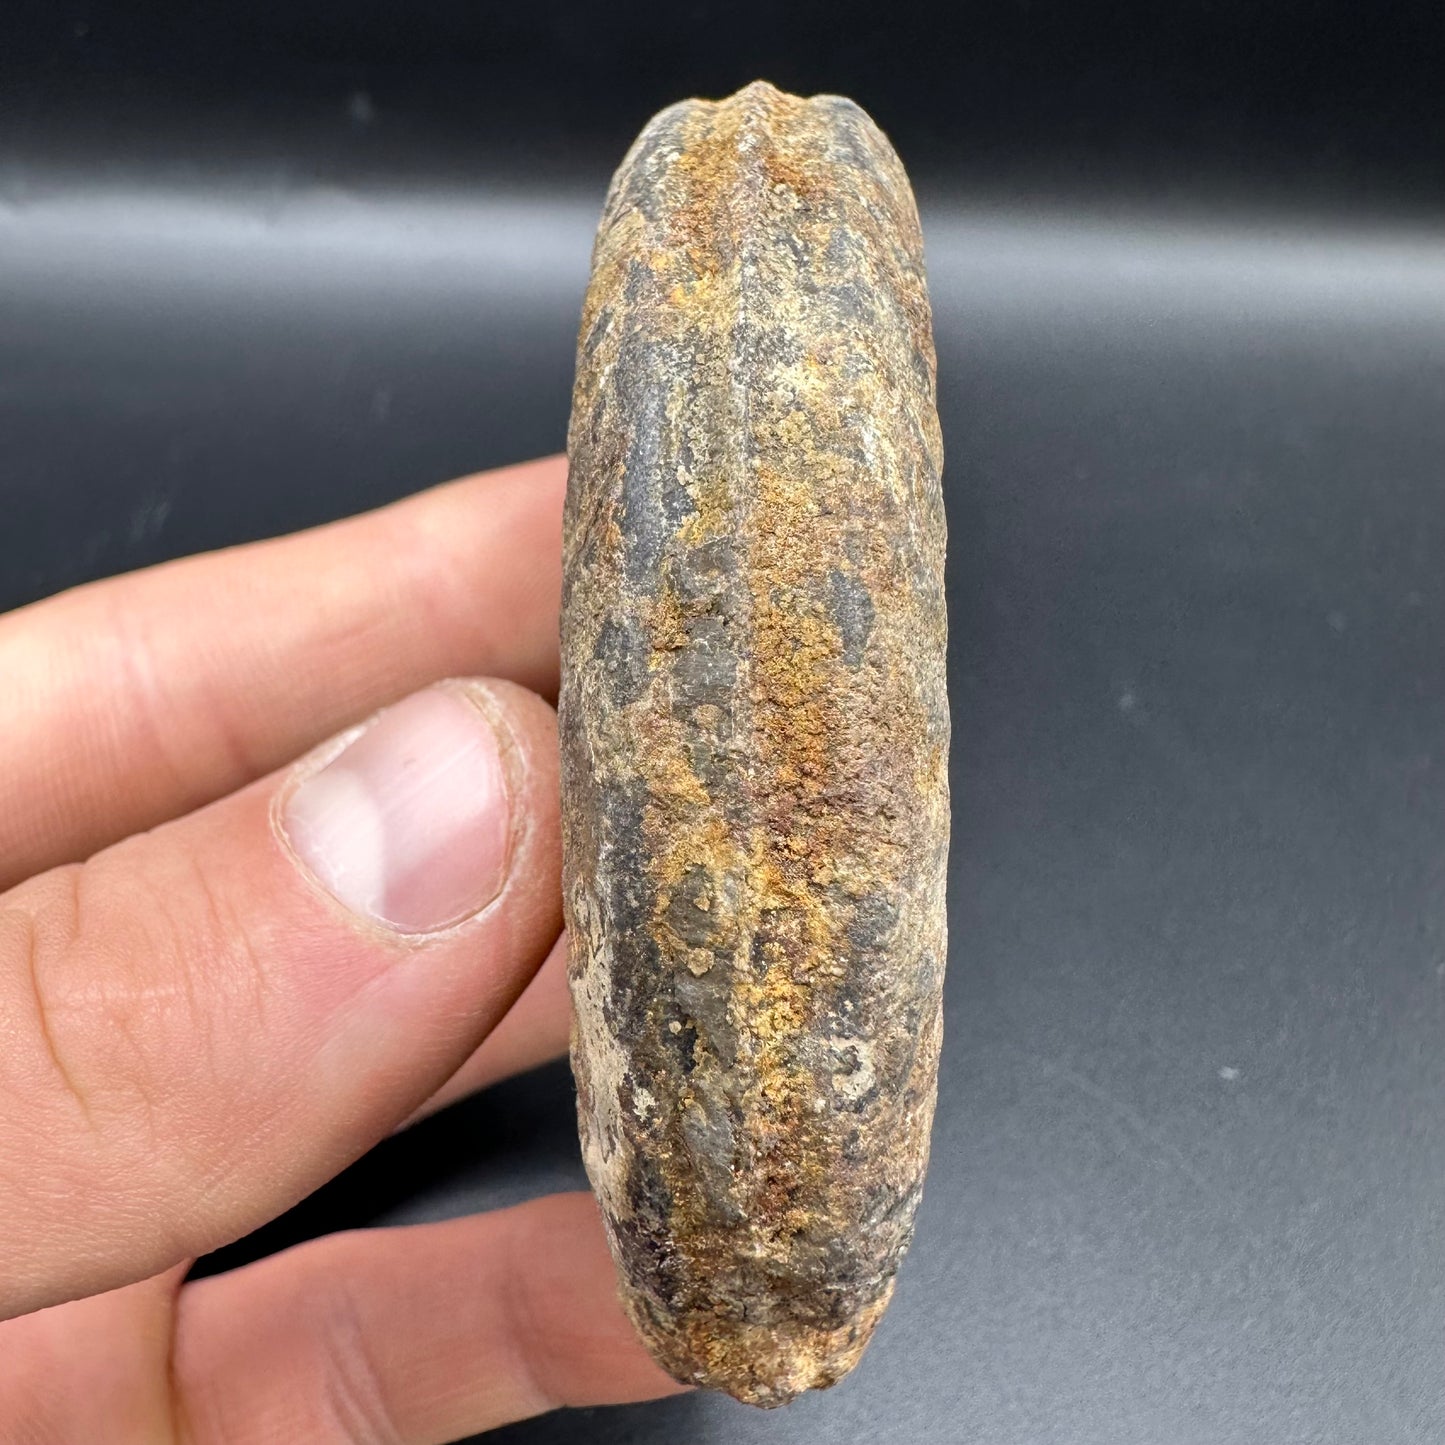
(755, 734)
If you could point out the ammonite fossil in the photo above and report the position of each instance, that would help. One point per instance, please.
(755, 734)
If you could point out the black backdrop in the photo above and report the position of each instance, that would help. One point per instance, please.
(263, 265)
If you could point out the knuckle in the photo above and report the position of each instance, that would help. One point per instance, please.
(531, 1350)
(155, 700)
(356, 1404)
(33, 933)
(113, 963)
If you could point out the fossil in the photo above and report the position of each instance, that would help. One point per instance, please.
(755, 731)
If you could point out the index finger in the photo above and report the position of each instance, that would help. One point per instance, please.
(133, 700)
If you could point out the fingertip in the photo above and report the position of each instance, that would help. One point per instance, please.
(582, 1347)
(420, 818)
(523, 504)
(533, 1032)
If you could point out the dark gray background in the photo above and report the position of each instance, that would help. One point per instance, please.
(262, 266)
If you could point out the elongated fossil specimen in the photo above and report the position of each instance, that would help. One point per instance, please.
(755, 733)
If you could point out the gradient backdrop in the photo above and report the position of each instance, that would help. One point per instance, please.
(265, 265)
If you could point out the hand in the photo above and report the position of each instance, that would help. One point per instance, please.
(223, 978)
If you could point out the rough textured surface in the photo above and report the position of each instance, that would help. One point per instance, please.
(754, 732)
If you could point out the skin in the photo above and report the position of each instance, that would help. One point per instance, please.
(194, 1038)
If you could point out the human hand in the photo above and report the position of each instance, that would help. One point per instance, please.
(259, 970)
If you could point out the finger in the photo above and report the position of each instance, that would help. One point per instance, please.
(137, 699)
(205, 1022)
(419, 1335)
(93, 1369)
(533, 1032)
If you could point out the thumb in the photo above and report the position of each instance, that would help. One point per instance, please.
(205, 1022)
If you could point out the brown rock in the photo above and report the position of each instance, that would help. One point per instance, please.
(755, 734)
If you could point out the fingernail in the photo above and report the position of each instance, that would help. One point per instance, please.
(411, 824)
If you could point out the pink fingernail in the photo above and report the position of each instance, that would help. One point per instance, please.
(411, 824)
